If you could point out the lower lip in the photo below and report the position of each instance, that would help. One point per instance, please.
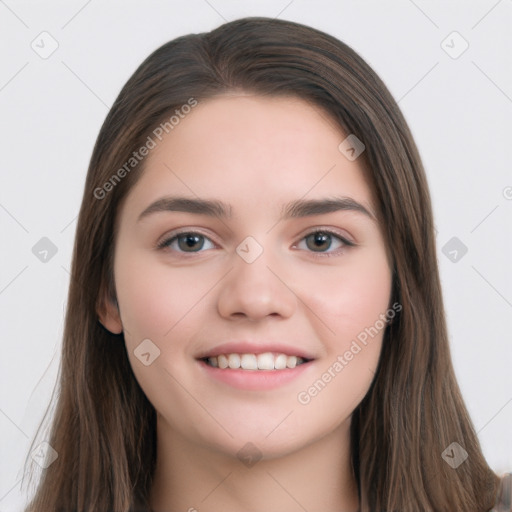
(255, 380)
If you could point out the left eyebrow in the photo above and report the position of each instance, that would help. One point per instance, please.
(294, 209)
(306, 208)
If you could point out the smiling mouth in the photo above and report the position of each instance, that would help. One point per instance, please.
(254, 362)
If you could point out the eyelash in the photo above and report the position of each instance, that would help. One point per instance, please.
(167, 241)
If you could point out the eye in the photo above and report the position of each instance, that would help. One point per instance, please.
(187, 241)
(322, 240)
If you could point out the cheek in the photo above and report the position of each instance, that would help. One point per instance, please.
(332, 395)
(352, 297)
(350, 304)
(164, 306)
(156, 301)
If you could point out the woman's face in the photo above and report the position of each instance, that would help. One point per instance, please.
(277, 271)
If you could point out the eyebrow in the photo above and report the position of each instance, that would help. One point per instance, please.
(294, 209)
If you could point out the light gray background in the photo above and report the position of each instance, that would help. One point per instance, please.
(459, 110)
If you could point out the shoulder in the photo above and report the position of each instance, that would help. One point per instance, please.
(504, 501)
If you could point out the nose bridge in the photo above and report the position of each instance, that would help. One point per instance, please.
(252, 287)
(252, 262)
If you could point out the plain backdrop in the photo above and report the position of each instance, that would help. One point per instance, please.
(457, 101)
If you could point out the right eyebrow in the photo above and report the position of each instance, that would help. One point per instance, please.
(189, 205)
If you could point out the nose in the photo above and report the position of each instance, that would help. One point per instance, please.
(255, 290)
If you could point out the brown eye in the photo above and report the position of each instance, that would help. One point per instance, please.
(319, 241)
(186, 242)
(322, 241)
(190, 241)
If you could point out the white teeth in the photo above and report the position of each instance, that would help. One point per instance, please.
(280, 362)
(291, 362)
(234, 361)
(265, 361)
(249, 362)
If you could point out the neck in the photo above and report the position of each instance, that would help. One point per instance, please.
(190, 477)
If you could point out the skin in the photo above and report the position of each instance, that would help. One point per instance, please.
(256, 154)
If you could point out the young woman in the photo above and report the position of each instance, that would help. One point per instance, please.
(255, 319)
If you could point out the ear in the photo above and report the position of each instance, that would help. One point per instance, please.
(108, 313)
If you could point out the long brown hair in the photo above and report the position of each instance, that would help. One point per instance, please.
(103, 428)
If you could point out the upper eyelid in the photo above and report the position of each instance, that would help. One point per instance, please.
(186, 231)
(345, 240)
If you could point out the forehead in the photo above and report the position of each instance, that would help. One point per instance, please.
(254, 149)
(267, 127)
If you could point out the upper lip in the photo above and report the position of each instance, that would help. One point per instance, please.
(247, 347)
